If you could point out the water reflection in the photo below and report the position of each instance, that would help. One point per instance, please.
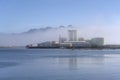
(74, 62)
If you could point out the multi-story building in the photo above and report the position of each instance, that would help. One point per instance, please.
(72, 35)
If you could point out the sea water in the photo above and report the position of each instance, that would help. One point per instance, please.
(59, 64)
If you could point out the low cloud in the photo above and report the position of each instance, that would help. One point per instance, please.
(110, 33)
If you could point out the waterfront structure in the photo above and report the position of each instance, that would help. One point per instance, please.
(49, 44)
(77, 44)
(72, 35)
(65, 45)
(72, 42)
(97, 42)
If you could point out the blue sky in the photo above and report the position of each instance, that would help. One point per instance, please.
(22, 15)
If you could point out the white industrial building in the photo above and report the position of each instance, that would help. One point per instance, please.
(77, 44)
(72, 35)
(97, 41)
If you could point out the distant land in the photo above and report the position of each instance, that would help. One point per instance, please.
(52, 34)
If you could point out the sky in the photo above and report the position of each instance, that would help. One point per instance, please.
(21, 15)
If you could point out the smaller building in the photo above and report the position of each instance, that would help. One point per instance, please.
(49, 44)
(65, 45)
(97, 42)
(75, 44)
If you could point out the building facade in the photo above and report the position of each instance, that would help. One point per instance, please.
(97, 41)
(72, 35)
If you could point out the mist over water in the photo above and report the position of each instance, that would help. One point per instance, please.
(52, 34)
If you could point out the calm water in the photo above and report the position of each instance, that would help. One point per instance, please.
(58, 64)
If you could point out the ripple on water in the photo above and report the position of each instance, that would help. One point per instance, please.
(8, 64)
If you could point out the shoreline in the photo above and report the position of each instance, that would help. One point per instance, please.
(92, 48)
